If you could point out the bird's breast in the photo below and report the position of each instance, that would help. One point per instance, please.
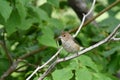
(71, 46)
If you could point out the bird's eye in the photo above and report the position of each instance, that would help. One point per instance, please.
(64, 35)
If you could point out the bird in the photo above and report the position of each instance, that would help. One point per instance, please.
(69, 43)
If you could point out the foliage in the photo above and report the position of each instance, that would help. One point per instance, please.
(26, 28)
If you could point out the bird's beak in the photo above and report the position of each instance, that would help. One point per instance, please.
(59, 37)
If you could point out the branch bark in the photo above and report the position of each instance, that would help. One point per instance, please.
(10, 70)
(9, 56)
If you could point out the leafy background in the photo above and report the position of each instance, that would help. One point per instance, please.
(27, 28)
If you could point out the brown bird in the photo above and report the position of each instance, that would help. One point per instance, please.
(68, 43)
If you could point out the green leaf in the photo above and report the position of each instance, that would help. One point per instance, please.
(56, 23)
(47, 8)
(24, 2)
(113, 66)
(111, 51)
(4, 65)
(111, 22)
(83, 39)
(43, 15)
(87, 61)
(13, 22)
(64, 74)
(39, 13)
(2, 21)
(21, 10)
(73, 64)
(26, 24)
(46, 78)
(83, 74)
(54, 2)
(47, 38)
(5, 9)
(36, 78)
(96, 77)
(101, 76)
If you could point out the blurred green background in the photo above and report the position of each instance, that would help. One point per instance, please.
(27, 26)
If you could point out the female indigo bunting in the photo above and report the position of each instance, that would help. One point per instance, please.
(68, 43)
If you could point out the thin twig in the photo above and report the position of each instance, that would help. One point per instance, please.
(91, 47)
(10, 70)
(103, 11)
(4, 45)
(32, 53)
(115, 39)
(83, 19)
(40, 67)
(48, 70)
(78, 30)
(99, 14)
(26, 64)
(9, 56)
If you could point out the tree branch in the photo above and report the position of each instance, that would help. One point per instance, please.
(80, 7)
(15, 63)
(91, 47)
(9, 56)
(115, 39)
(56, 54)
(10, 70)
(73, 30)
(79, 53)
(67, 58)
(40, 67)
(84, 16)
(32, 53)
(99, 14)
(48, 70)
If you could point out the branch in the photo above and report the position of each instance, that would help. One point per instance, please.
(14, 68)
(78, 54)
(84, 16)
(99, 14)
(115, 39)
(26, 64)
(48, 70)
(9, 56)
(103, 11)
(40, 67)
(85, 50)
(54, 56)
(73, 30)
(83, 20)
(10, 70)
(32, 53)
(91, 47)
